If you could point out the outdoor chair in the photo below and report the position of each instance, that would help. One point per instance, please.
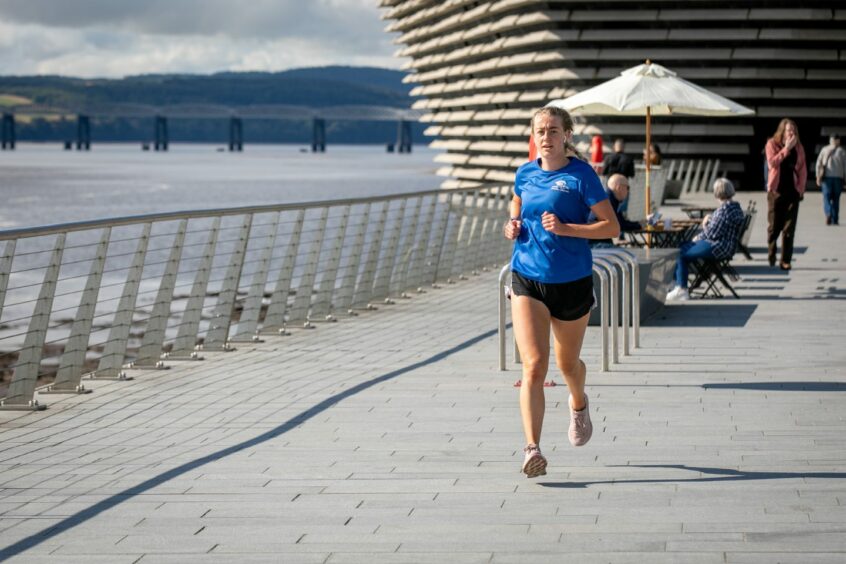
(708, 273)
(746, 231)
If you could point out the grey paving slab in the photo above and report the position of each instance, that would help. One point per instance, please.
(393, 437)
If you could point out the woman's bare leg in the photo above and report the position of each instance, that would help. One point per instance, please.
(531, 330)
(569, 336)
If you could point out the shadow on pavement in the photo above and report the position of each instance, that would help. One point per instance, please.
(111, 501)
(712, 475)
(705, 314)
(780, 386)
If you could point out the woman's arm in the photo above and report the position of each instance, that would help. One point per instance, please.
(776, 155)
(606, 225)
(511, 229)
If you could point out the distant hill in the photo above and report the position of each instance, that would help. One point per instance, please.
(314, 87)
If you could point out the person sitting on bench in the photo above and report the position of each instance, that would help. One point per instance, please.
(718, 240)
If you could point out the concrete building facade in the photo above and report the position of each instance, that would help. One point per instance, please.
(482, 67)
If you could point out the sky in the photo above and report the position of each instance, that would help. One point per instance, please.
(115, 38)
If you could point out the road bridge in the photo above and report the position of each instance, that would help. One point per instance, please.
(236, 115)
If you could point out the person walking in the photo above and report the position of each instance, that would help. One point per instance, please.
(787, 175)
(718, 239)
(831, 173)
(552, 277)
(618, 161)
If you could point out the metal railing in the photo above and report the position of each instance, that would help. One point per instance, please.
(619, 304)
(91, 299)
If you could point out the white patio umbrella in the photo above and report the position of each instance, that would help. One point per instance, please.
(647, 90)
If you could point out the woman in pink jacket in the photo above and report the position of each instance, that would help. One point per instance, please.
(787, 176)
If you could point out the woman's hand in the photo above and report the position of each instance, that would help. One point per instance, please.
(790, 142)
(511, 229)
(550, 223)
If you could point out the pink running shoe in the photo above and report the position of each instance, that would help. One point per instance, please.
(535, 464)
(581, 428)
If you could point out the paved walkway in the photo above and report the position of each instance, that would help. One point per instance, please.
(393, 437)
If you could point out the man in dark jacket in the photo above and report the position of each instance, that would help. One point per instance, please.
(618, 162)
(618, 192)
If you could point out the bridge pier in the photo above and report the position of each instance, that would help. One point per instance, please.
(404, 136)
(161, 136)
(236, 134)
(8, 132)
(83, 133)
(318, 135)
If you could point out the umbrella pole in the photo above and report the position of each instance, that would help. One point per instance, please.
(648, 159)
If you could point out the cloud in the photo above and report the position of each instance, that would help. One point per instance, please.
(107, 38)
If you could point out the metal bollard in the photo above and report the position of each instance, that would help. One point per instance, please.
(603, 313)
(631, 259)
(626, 294)
(503, 276)
(613, 304)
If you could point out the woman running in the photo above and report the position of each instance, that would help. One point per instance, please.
(552, 272)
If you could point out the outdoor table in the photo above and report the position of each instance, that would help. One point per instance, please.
(698, 212)
(661, 238)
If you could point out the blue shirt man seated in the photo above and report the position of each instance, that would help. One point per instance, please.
(618, 193)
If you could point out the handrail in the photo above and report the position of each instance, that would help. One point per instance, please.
(168, 287)
(10, 234)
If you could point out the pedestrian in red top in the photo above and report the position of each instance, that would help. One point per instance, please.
(786, 179)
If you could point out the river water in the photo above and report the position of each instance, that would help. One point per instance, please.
(43, 184)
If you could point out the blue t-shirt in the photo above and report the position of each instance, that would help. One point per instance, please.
(568, 193)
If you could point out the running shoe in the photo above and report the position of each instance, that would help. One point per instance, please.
(535, 464)
(581, 428)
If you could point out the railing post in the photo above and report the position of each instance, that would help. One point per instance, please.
(248, 322)
(112, 361)
(468, 217)
(150, 353)
(22, 387)
(491, 220)
(486, 236)
(344, 298)
(6, 269)
(399, 280)
(302, 301)
(477, 213)
(364, 287)
(184, 346)
(217, 337)
(274, 319)
(435, 249)
(322, 306)
(416, 266)
(72, 364)
(445, 260)
(381, 287)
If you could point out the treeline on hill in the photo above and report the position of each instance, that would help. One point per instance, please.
(313, 87)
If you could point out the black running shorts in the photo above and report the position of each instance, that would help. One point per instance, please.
(568, 301)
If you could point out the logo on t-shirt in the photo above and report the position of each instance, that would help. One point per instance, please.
(561, 186)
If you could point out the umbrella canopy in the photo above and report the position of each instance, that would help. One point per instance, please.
(647, 90)
(654, 87)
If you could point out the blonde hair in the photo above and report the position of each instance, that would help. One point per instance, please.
(782, 126)
(566, 123)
